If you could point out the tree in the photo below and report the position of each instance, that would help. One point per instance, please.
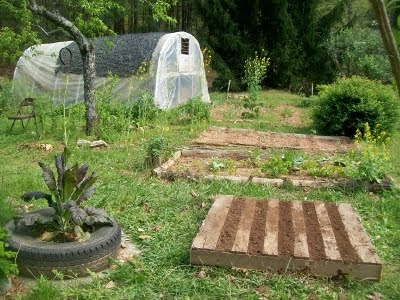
(80, 20)
(389, 42)
(88, 58)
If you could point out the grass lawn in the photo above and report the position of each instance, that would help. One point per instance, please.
(171, 213)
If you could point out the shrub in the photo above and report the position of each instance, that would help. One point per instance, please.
(255, 70)
(7, 267)
(349, 103)
(155, 146)
(195, 109)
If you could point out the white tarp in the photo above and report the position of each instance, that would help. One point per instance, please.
(172, 77)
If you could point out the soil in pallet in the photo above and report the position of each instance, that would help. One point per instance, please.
(286, 230)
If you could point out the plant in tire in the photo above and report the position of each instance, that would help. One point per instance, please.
(69, 221)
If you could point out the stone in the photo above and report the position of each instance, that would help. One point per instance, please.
(98, 144)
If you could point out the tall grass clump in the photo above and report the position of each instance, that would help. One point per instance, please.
(7, 99)
(143, 109)
(113, 115)
(345, 106)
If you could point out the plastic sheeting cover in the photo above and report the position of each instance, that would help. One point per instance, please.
(171, 77)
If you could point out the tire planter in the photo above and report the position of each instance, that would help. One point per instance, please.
(35, 258)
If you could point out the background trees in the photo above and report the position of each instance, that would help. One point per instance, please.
(298, 36)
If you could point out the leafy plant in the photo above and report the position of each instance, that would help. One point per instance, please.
(218, 165)
(371, 160)
(255, 70)
(195, 109)
(256, 157)
(143, 108)
(69, 220)
(282, 164)
(155, 146)
(7, 266)
(345, 106)
(323, 168)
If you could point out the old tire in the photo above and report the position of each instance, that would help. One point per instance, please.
(35, 258)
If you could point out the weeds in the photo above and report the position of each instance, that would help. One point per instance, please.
(143, 109)
(218, 165)
(194, 110)
(155, 146)
(371, 160)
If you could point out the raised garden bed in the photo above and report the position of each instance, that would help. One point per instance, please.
(228, 137)
(239, 166)
(320, 239)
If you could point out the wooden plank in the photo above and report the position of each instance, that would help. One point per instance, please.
(239, 179)
(266, 133)
(324, 268)
(243, 233)
(357, 234)
(169, 163)
(271, 228)
(268, 181)
(331, 248)
(300, 236)
(208, 236)
(202, 153)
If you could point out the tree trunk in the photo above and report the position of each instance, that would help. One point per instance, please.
(388, 38)
(88, 57)
(89, 73)
(135, 15)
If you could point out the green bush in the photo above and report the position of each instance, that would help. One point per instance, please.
(7, 266)
(155, 146)
(349, 103)
(195, 110)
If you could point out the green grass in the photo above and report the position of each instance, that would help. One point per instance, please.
(129, 192)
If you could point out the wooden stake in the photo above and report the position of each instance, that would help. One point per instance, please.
(227, 92)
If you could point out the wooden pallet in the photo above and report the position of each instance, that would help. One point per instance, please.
(317, 238)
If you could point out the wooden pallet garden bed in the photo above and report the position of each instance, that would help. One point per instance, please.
(234, 137)
(319, 239)
(237, 166)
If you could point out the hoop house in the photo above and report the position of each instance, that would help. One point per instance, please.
(168, 65)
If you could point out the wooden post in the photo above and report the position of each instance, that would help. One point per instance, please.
(312, 88)
(227, 92)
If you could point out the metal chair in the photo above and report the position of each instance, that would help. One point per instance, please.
(26, 111)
